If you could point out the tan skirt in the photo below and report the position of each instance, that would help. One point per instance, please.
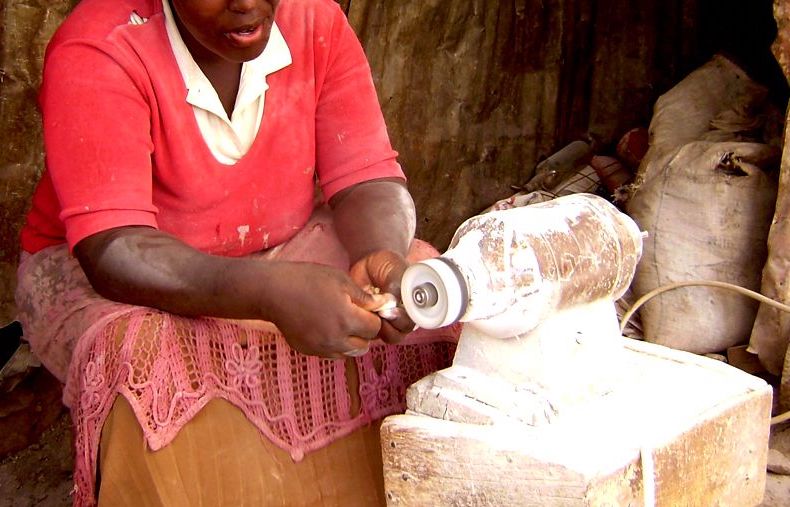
(220, 459)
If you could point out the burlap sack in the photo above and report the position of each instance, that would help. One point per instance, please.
(705, 193)
(707, 212)
(684, 113)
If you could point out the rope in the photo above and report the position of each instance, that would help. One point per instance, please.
(709, 283)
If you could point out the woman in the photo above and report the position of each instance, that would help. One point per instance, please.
(184, 140)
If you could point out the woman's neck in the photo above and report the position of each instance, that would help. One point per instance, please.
(224, 75)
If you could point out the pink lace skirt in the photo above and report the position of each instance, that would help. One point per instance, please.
(168, 367)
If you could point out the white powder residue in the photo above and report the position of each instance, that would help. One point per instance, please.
(243, 231)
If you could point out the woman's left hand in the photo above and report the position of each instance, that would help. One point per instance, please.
(384, 269)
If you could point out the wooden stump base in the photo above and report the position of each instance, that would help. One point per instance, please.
(678, 429)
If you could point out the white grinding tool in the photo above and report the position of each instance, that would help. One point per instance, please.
(507, 271)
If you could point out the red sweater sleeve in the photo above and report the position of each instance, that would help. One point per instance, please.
(352, 144)
(97, 137)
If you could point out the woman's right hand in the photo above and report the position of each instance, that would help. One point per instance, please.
(319, 309)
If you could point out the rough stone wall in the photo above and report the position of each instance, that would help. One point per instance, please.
(772, 327)
(475, 93)
(781, 47)
(25, 28)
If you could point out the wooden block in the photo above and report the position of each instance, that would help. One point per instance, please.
(679, 430)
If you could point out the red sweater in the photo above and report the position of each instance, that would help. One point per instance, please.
(123, 147)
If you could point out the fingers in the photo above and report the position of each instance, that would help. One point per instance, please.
(363, 323)
(390, 334)
(331, 321)
(351, 340)
(358, 325)
(391, 330)
(382, 269)
(381, 303)
(360, 321)
(356, 346)
(364, 298)
(399, 319)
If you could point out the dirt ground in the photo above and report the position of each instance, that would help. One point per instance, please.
(777, 491)
(40, 475)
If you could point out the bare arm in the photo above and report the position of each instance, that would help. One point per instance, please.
(318, 309)
(375, 215)
(375, 221)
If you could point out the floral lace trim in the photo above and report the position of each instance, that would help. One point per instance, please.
(300, 403)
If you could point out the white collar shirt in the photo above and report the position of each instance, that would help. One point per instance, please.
(229, 139)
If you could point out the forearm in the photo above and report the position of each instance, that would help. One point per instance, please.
(143, 266)
(376, 215)
(319, 309)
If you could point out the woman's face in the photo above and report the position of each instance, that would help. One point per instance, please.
(234, 30)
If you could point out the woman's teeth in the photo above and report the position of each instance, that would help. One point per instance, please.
(246, 35)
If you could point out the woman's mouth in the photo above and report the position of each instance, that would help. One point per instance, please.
(245, 35)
